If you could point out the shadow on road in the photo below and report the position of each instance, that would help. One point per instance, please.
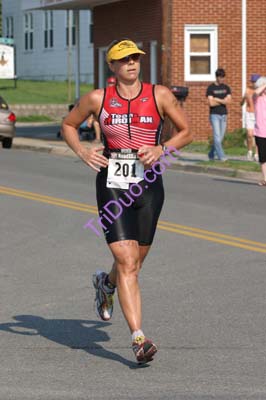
(76, 334)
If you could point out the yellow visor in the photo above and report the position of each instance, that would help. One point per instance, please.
(123, 49)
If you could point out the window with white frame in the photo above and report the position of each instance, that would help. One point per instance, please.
(201, 52)
(71, 25)
(28, 31)
(48, 29)
(9, 27)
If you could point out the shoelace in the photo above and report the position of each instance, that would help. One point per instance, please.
(109, 299)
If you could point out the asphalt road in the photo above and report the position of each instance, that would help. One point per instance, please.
(203, 288)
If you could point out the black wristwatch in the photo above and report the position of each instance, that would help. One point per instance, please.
(164, 147)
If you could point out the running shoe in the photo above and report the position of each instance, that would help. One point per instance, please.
(256, 157)
(104, 297)
(144, 349)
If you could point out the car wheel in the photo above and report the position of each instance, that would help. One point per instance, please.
(7, 143)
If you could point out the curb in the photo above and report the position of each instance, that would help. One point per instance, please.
(204, 169)
(227, 172)
(44, 148)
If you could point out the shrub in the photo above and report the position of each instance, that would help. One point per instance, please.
(235, 138)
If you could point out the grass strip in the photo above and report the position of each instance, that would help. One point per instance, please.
(40, 92)
(234, 164)
(35, 118)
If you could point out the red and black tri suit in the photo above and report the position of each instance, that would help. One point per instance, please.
(130, 124)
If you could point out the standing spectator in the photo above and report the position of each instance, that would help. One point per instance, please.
(94, 124)
(260, 124)
(92, 129)
(219, 95)
(250, 117)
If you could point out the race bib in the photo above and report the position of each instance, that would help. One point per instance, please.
(124, 168)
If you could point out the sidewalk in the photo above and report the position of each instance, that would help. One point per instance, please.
(186, 162)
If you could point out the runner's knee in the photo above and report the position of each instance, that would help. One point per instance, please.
(128, 267)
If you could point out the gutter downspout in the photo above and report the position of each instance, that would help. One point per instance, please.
(244, 54)
(166, 41)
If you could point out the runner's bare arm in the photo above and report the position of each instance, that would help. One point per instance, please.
(168, 106)
(88, 104)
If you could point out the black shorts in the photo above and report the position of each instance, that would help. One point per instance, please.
(129, 214)
(261, 143)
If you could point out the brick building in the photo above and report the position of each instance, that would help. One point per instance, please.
(185, 42)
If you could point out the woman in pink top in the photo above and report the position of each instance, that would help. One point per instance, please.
(260, 125)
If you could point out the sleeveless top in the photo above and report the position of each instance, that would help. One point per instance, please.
(130, 124)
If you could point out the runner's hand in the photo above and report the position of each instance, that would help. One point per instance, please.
(149, 154)
(92, 158)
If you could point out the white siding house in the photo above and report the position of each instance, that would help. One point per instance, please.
(41, 42)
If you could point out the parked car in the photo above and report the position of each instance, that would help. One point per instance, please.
(7, 124)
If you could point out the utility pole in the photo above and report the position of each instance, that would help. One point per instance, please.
(69, 55)
(77, 70)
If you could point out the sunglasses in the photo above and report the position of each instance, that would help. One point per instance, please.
(133, 57)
